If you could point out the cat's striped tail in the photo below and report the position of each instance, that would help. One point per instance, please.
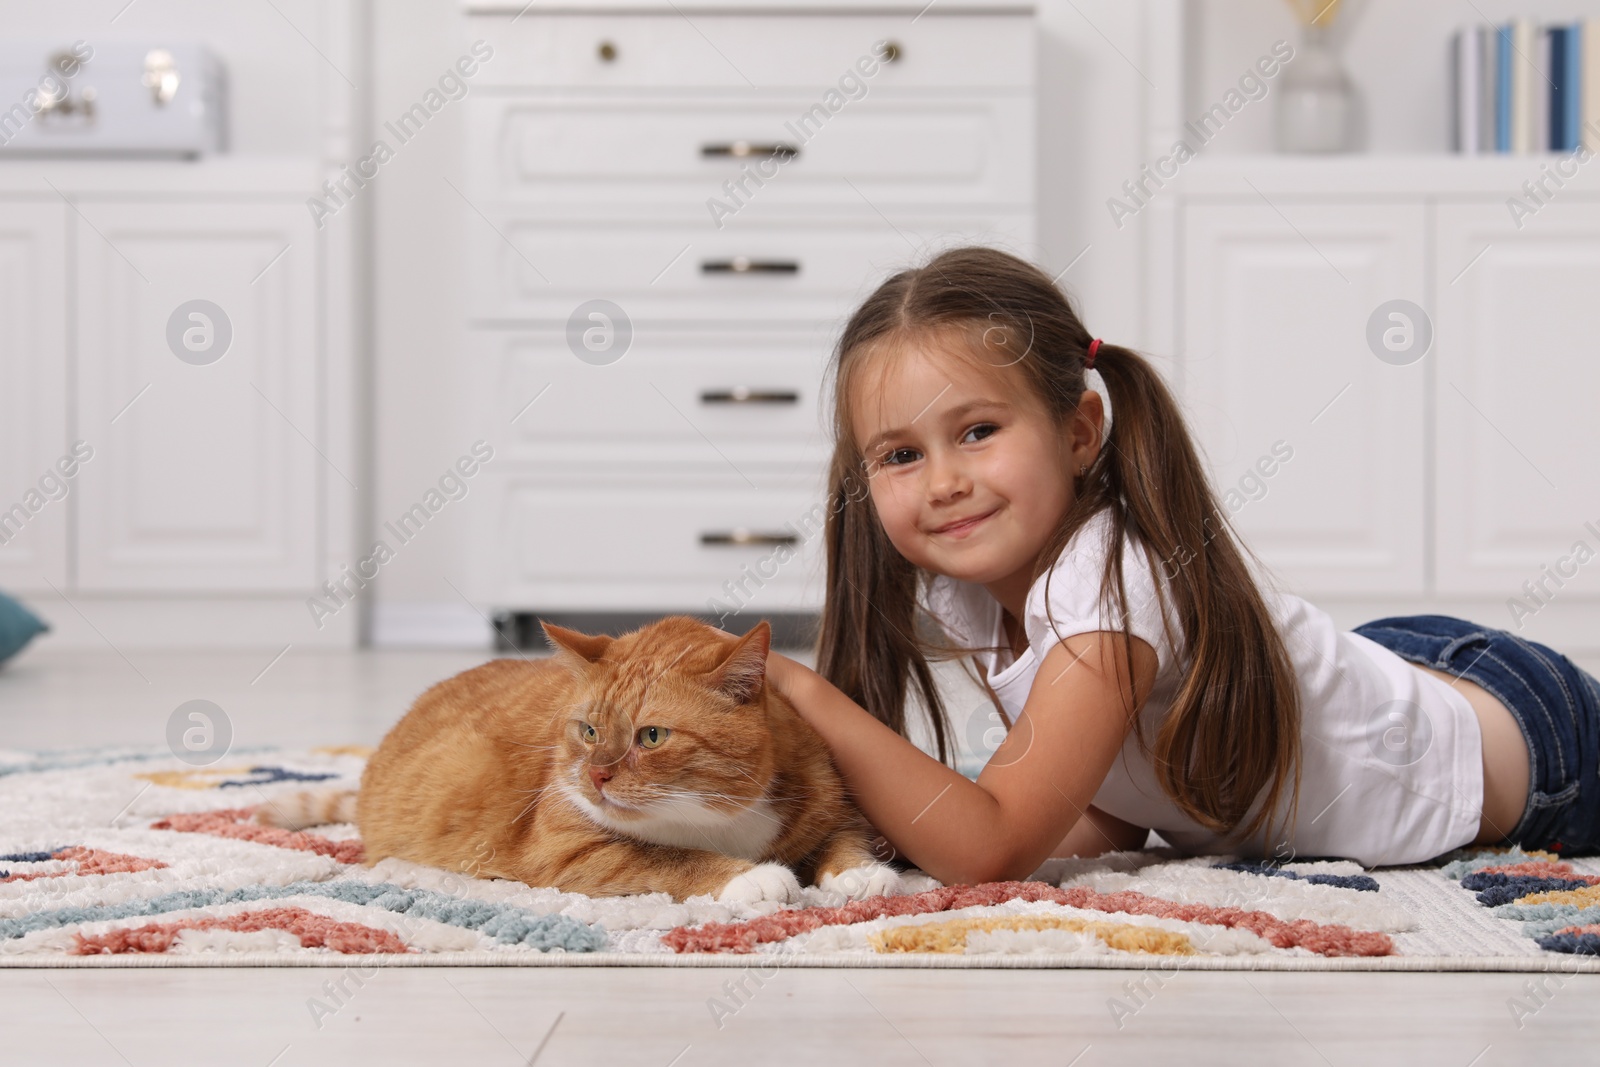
(309, 807)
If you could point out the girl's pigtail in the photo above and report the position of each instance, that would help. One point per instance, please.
(868, 644)
(1232, 736)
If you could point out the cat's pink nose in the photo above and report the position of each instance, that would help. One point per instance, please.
(600, 776)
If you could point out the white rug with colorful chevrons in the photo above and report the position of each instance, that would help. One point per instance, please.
(133, 858)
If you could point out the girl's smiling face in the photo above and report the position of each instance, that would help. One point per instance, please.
(969, 474)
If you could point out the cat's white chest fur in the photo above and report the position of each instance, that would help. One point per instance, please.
(687, 822)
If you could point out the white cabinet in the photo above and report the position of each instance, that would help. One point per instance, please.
(1445, 484)
(1275, 313)
(205, 474)
(185, 322)
(35, 501)
(1517, 395)
(732, 188)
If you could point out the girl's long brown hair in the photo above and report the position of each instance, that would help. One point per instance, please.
(1234, 725)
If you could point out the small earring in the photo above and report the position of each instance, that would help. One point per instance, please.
(1083, 470)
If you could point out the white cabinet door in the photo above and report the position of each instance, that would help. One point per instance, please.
(206, 474)
(1276, 301)
(1517, 388)
(34, 498)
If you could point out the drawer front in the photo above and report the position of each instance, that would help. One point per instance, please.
(775, 154)
(628, 540)
(736, 395)
(750, 52)
(525, 268)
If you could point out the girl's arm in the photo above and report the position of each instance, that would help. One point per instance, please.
(1098, 832)
(1035, 787)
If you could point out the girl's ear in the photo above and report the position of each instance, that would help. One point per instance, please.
(1088, 425)
(588, 647)
(744, 671)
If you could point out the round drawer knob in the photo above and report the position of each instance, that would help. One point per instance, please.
(607, 52)
(892, 51)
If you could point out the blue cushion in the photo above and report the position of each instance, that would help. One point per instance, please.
(18, 626)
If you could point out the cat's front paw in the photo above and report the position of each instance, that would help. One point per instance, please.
(867, 880)
(765, 881)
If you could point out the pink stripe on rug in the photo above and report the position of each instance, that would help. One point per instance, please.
(235, 823)
(1331, 940)
(313, 930)
(89, 861)
(1542, 869)
(1579, 931)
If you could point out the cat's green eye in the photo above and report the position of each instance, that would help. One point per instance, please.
(590, 734)
(651, 736)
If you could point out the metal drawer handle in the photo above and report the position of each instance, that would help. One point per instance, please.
(746, 265)
(743, 394)
(746, 150)
(741, 536)
(161, 76)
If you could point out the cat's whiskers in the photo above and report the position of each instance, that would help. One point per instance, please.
(746, 800)
(518, 817)
(753, 806)
(803, 796)
(538, 748)
(691, 824)
(538, 795)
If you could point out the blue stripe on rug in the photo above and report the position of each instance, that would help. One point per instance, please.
(1476, 859)
(506, 924)
(1537, 928)
(75, 759)
(1568, 914)
(29, 857)
(1500, 888)
(1577, 944)
(275, 775)
(1362, 882)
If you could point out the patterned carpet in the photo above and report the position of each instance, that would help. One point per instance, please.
(133, 858)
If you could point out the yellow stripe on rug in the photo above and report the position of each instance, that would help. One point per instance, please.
(1538, 853)
(197, 778)
(1582, 898)
(951, 935)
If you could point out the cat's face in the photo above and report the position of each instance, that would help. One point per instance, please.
(667, 726)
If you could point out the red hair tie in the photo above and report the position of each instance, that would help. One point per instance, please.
(1094, 346)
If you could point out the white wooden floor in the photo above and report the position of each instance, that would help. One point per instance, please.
(53, 699)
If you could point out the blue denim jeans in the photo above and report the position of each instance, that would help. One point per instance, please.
(1556, 704)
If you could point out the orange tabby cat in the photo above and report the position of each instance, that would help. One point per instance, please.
(655, 761)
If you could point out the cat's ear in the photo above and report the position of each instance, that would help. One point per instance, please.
(589, 647)
(744, 671)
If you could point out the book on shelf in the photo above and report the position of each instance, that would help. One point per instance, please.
(1521, 87)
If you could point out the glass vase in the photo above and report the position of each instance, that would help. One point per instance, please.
(1316, 99)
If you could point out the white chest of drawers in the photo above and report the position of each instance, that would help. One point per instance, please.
(734, 182)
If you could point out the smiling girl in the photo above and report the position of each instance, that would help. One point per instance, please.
(981, 505)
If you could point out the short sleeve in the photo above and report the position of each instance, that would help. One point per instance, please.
(1075, 601)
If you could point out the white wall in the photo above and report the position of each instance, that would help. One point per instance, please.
(418, 235)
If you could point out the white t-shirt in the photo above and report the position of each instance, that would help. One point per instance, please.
(1380, 783)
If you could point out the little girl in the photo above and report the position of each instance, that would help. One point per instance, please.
(979, 507)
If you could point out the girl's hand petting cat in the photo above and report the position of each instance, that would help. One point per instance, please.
(787, 676)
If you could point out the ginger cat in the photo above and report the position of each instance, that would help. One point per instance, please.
(655, 761)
